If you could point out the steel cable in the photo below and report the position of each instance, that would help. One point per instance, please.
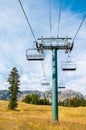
(77, 31)
(27, 19)
(50, 17)
(59, 17)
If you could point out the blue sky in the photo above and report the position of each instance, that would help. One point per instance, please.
(76, 6)
(16, 37)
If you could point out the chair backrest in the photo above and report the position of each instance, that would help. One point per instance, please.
(68, 66)
(33, 54)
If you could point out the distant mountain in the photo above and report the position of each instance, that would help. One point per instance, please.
(62, 96)
(69, 94)
(4, 94)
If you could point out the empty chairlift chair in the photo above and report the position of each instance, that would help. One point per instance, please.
(68, 65)
(33, 54)
(45, 82)
(61, 85)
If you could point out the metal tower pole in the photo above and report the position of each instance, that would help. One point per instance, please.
(54, 86)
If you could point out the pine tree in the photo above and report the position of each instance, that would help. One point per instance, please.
(34, 99)
(14, 82)
(27, 99)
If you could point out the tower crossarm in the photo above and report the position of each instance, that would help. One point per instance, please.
(61, 43)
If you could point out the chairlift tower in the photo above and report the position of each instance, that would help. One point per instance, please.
(55, 44)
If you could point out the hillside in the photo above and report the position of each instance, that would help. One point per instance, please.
(34, 117)
(69, 94)
(64, 95)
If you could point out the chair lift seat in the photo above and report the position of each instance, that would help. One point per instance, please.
(45, 82)
(68, 66)
(61, 85)
(33, 54)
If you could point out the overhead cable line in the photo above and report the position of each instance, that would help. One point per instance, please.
(65, 66)
(50, 33)
(43, 69)
(30, 29)
(79, 27)
(50, 17)
(27, 19)
(73, 43)
(68, 65)
(77, 31)
(59, 17)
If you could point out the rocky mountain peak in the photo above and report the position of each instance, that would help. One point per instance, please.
(69, 94)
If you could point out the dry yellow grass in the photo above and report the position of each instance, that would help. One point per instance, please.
(33, 117)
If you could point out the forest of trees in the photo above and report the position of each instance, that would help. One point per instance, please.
(34, 99)
(75, 102)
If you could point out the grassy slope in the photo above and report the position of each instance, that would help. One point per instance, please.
(32, 117)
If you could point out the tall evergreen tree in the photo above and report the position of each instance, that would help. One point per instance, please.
(34, 99)
(14, 83)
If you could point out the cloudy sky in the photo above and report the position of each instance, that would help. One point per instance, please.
(16, 37)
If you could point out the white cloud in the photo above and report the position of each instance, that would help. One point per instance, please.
(3, 83)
